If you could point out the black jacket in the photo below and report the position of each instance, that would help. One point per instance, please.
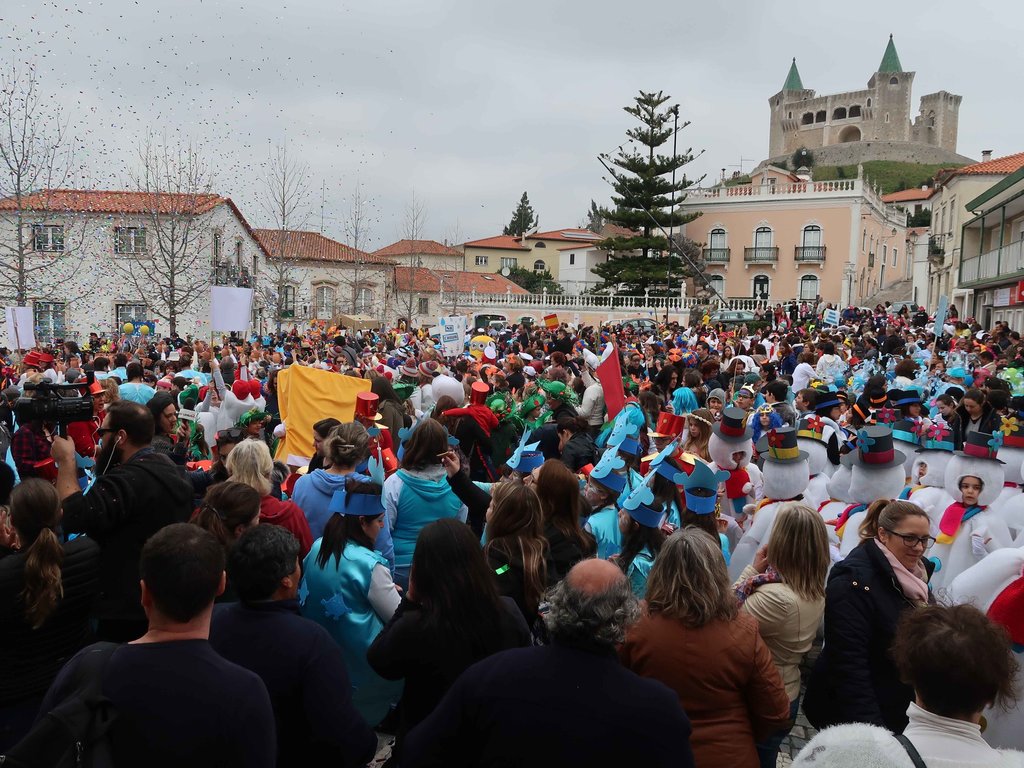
(304, 671)
(854, 679)
(990, 422)
(32, 657)
(547, 435)
(579, 451)
(407, 648)
(552, 706)
(564, 552)
(123, 508)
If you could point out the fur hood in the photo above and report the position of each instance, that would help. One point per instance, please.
(853, 746)
(937, 462)
(721, 452)
(990, 472)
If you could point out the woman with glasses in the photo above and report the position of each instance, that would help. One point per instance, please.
(855, 679)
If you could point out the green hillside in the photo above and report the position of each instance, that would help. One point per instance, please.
(890, 176)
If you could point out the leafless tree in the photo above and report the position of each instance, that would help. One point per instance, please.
(37, 155)
(453, 238)
(286, 204)
(414, 221)
(357, 224)
(166, 259)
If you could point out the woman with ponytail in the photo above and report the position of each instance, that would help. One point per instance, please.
(855, 679)
(47, 592)
(227, 510)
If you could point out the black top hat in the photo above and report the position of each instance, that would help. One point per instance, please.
(982, 445)
(733, 427)
(875, 448)
(780, 447)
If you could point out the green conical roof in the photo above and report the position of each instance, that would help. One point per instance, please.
(890, 59)
(793, 79)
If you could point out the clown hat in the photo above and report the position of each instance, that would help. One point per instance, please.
(366, 406)
(779, 446)
(604, 472)
(733, 427)
(360, 504)
(669, 425)
(700, 487)
(982, 445)
(875, 449)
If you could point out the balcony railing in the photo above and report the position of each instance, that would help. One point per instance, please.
(716, 255)
(812, 253)
(936, 245)
(761, 254)
(1003, 263)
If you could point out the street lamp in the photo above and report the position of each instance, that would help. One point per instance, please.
(672, 210)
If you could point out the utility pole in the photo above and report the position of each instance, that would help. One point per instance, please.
(672, 210)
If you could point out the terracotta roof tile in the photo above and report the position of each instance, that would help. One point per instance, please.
(423, 280)
(996, 165)
(110, 201)
(571, 234)
(504, 242)
(417, 248)
(312, 246)
(908, 195)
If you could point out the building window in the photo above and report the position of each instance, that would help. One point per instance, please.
(885, 253)
(509, 262)
(480, 261)
(808, 288)
(364, 300)
(819, 116)
(129, 239)
(807, 118)
(216, 247)
(762, 286)
(869, 102)
(130, 313)
(238, 252)
(324, 296)
(716, 238)
(423, 306)
(49, 320)
(894, 81)
(572, 259)
(541, 245)
(539, 265)
(839, 113)
(763, 237)
(717, 282)
(854, 111)
(811, 236)
(864, 241)
(288, 301)
(894, 257)
(887, 117)
(48, 237)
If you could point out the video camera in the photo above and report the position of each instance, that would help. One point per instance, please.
(50, 404)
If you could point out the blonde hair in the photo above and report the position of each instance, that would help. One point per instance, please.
(689, 581)
(346, 445)
(249, 462)
(798, 549)
(113, 394)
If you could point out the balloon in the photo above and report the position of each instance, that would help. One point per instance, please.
(128, 328)
(144, 330)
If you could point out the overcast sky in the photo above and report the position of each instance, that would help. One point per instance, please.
(468, 104)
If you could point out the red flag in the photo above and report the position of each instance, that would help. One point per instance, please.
(609, 373)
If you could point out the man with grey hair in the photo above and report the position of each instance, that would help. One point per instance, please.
(568, 703)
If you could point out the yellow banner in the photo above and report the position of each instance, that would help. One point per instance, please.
(307, 395)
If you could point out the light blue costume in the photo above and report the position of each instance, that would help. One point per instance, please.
(337, 598)
(638, 572)
(604, 524)
(420, 501)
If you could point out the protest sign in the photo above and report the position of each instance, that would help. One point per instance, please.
(20, 327)
(830, 317)
(453, 335)
(230, 308)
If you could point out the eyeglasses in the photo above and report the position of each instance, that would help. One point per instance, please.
(103, 430)
(911, 540)
(230, 435)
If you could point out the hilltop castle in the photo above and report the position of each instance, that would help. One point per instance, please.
(871, 124)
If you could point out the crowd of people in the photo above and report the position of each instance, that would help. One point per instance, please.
(574, 545)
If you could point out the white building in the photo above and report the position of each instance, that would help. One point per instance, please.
(89, 260)
(576, 267)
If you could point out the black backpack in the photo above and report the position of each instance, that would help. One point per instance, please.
(74, 733)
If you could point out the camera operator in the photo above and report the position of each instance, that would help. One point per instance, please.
(30, 446)
(136, 493)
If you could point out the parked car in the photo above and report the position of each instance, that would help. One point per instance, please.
(489, 321)
(897, 306)
(640, 325)
(729, 317)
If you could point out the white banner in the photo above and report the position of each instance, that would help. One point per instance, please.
(230, 309)
(830, 317)
(453, 335)
(20, 327)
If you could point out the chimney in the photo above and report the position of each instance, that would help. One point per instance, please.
(986, 155)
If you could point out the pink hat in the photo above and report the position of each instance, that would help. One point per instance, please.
(429, 368)
(163, 384)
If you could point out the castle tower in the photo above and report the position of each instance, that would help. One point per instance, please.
(783, 119)
(890, 107)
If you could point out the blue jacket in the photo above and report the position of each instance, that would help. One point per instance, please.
(604, 524)
(420, 502)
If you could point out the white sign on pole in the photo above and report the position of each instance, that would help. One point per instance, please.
(230, 309)
(453, 334)
(830, 317)
(20, 327)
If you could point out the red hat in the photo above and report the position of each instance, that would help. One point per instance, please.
(254, 389)
(31, 359)
(1008, 609)
(366, 406)
(202, 393)
(240, 389)
(389, 460)
(95, 388)
(669, 425)
(44, 357)
(288, 486)
(478, 395)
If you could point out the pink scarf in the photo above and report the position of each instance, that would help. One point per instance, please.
(913, 583)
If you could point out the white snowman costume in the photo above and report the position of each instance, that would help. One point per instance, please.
(813, 435)
(968, 535)
(730, 436)
(996, 586)
(928, 490)
(1010, 504)
(786, 474)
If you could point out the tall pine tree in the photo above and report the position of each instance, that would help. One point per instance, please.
(642, 180)
(523, 219)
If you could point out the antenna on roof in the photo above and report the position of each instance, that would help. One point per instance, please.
(743, 160)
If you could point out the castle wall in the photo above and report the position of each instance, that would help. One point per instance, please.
(862, 151)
